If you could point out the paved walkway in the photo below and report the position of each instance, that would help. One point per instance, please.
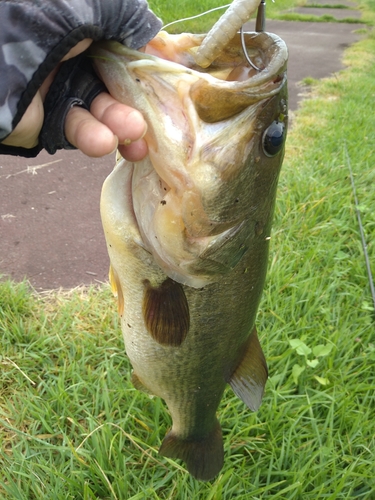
(315, 50)
(50, 229)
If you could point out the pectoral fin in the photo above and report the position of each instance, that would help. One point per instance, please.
(250, 377)
(166, 312)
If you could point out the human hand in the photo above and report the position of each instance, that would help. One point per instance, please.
(108, 124)
(34, 38)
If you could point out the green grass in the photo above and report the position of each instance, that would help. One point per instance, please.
(280, 11)
(326, 6)
(309, 18)
(178, 9)
(73, 427)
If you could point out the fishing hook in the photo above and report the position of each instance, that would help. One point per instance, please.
(259, 27)
(260, 24)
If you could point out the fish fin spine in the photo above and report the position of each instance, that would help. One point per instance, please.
(166, 312)
(204, 457)
(249, 378)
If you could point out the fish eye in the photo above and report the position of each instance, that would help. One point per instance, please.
(273, 138)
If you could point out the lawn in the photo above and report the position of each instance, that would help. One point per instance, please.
(172, 10)
(73, 427)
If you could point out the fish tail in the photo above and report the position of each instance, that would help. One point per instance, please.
(204, 457)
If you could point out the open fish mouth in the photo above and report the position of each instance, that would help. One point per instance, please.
(191, 199)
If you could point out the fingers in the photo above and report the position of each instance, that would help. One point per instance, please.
(109, 123)
(136, 151)
(87, 134)
(125, 122)
(96, 133)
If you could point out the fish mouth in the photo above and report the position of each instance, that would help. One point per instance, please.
(268, 52)
(192, 196)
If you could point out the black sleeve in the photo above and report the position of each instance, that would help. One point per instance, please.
(35, 35)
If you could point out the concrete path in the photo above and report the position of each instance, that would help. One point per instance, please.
(50, 230)
(335, 13)
(315, 50)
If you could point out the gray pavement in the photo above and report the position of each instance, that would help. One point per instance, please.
(320, 12)
(345, 3)
(315, 50)
(50, 229)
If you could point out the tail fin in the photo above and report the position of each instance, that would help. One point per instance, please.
(204, 458)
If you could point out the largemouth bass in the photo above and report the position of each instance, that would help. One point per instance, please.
(188, 228)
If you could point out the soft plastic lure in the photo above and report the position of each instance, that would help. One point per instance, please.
(224, 30)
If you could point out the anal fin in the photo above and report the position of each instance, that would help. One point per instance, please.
(204, 457)
(250, 377)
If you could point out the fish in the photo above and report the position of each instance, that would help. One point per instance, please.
(188, 228)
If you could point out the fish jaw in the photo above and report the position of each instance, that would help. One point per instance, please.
(196, 193)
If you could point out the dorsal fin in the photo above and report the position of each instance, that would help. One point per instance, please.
(114, 280)
(166, 312)
(250, 377)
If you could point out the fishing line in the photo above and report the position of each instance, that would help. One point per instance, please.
(244, 50)
(364, 245)
(195, 17)
(258, 28)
